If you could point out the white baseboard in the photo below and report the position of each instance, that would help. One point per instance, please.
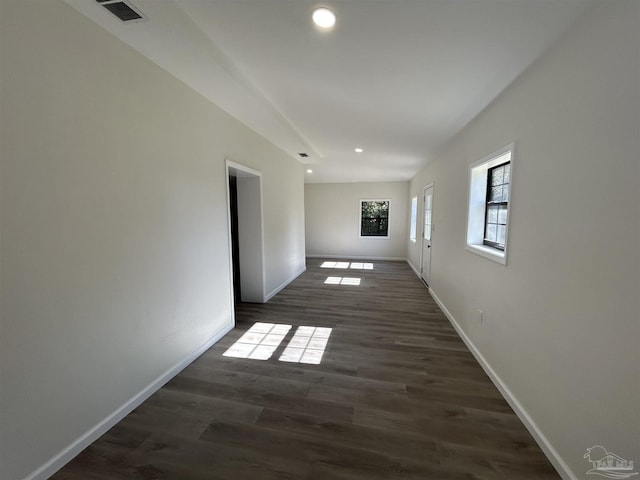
(284, 284)
(415, 270)
(560, 465)
(356, 257)
(66, 455)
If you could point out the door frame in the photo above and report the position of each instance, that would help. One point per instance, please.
(251, 237)
(424, 189)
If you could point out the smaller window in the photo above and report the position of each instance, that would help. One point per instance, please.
(414, 219)
(488, 213)
(374, 218)
(496, 211)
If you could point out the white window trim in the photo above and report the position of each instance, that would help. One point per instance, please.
(477, 204)
(372, 237)
(413, 222)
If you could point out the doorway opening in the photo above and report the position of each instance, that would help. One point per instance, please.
(246, 238)
(235, 243)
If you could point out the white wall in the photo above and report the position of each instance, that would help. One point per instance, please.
(332, 213)
(562, 319)
(114, 241)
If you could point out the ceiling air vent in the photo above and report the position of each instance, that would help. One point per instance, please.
(123, 10)
(304, 155)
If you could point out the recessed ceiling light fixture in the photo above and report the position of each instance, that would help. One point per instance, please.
(324, 18)
(359, 150)
(309, 171)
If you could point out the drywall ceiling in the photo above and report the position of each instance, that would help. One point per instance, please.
(398, 78)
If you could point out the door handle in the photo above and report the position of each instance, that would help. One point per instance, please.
(428, 246)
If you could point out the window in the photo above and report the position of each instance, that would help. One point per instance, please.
(495, 222)
(414, 219)
(489, 207)
(374, 218)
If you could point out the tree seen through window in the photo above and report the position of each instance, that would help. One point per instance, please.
(374, 218)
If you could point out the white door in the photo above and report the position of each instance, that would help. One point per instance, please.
(427, 229)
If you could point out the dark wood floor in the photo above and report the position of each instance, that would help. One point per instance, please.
(397, 395)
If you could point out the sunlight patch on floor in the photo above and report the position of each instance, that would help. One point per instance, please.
(307, 345)
(335, 265)
(361, 266)
(259, 342)
(342, 281)
(353, 265)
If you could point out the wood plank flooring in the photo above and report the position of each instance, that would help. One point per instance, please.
(397, 395)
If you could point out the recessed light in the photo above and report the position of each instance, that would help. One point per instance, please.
(359, 150)
(309, 171)
(324, 18)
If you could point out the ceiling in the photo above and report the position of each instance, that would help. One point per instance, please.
(397, 78)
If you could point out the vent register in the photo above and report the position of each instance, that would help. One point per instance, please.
(123, 10)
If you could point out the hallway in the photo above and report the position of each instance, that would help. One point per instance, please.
(396, 395)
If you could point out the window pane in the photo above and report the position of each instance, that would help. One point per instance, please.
(492, 214)
(414, 218)
(427, 216)
(502, 232)
(375, 218)
(497, 176)
(495, 212)
(502, 215)
(495, 194)
(491, 233)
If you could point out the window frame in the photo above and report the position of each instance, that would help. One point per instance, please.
(489, 203)
(360, 204)
(477, 204)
